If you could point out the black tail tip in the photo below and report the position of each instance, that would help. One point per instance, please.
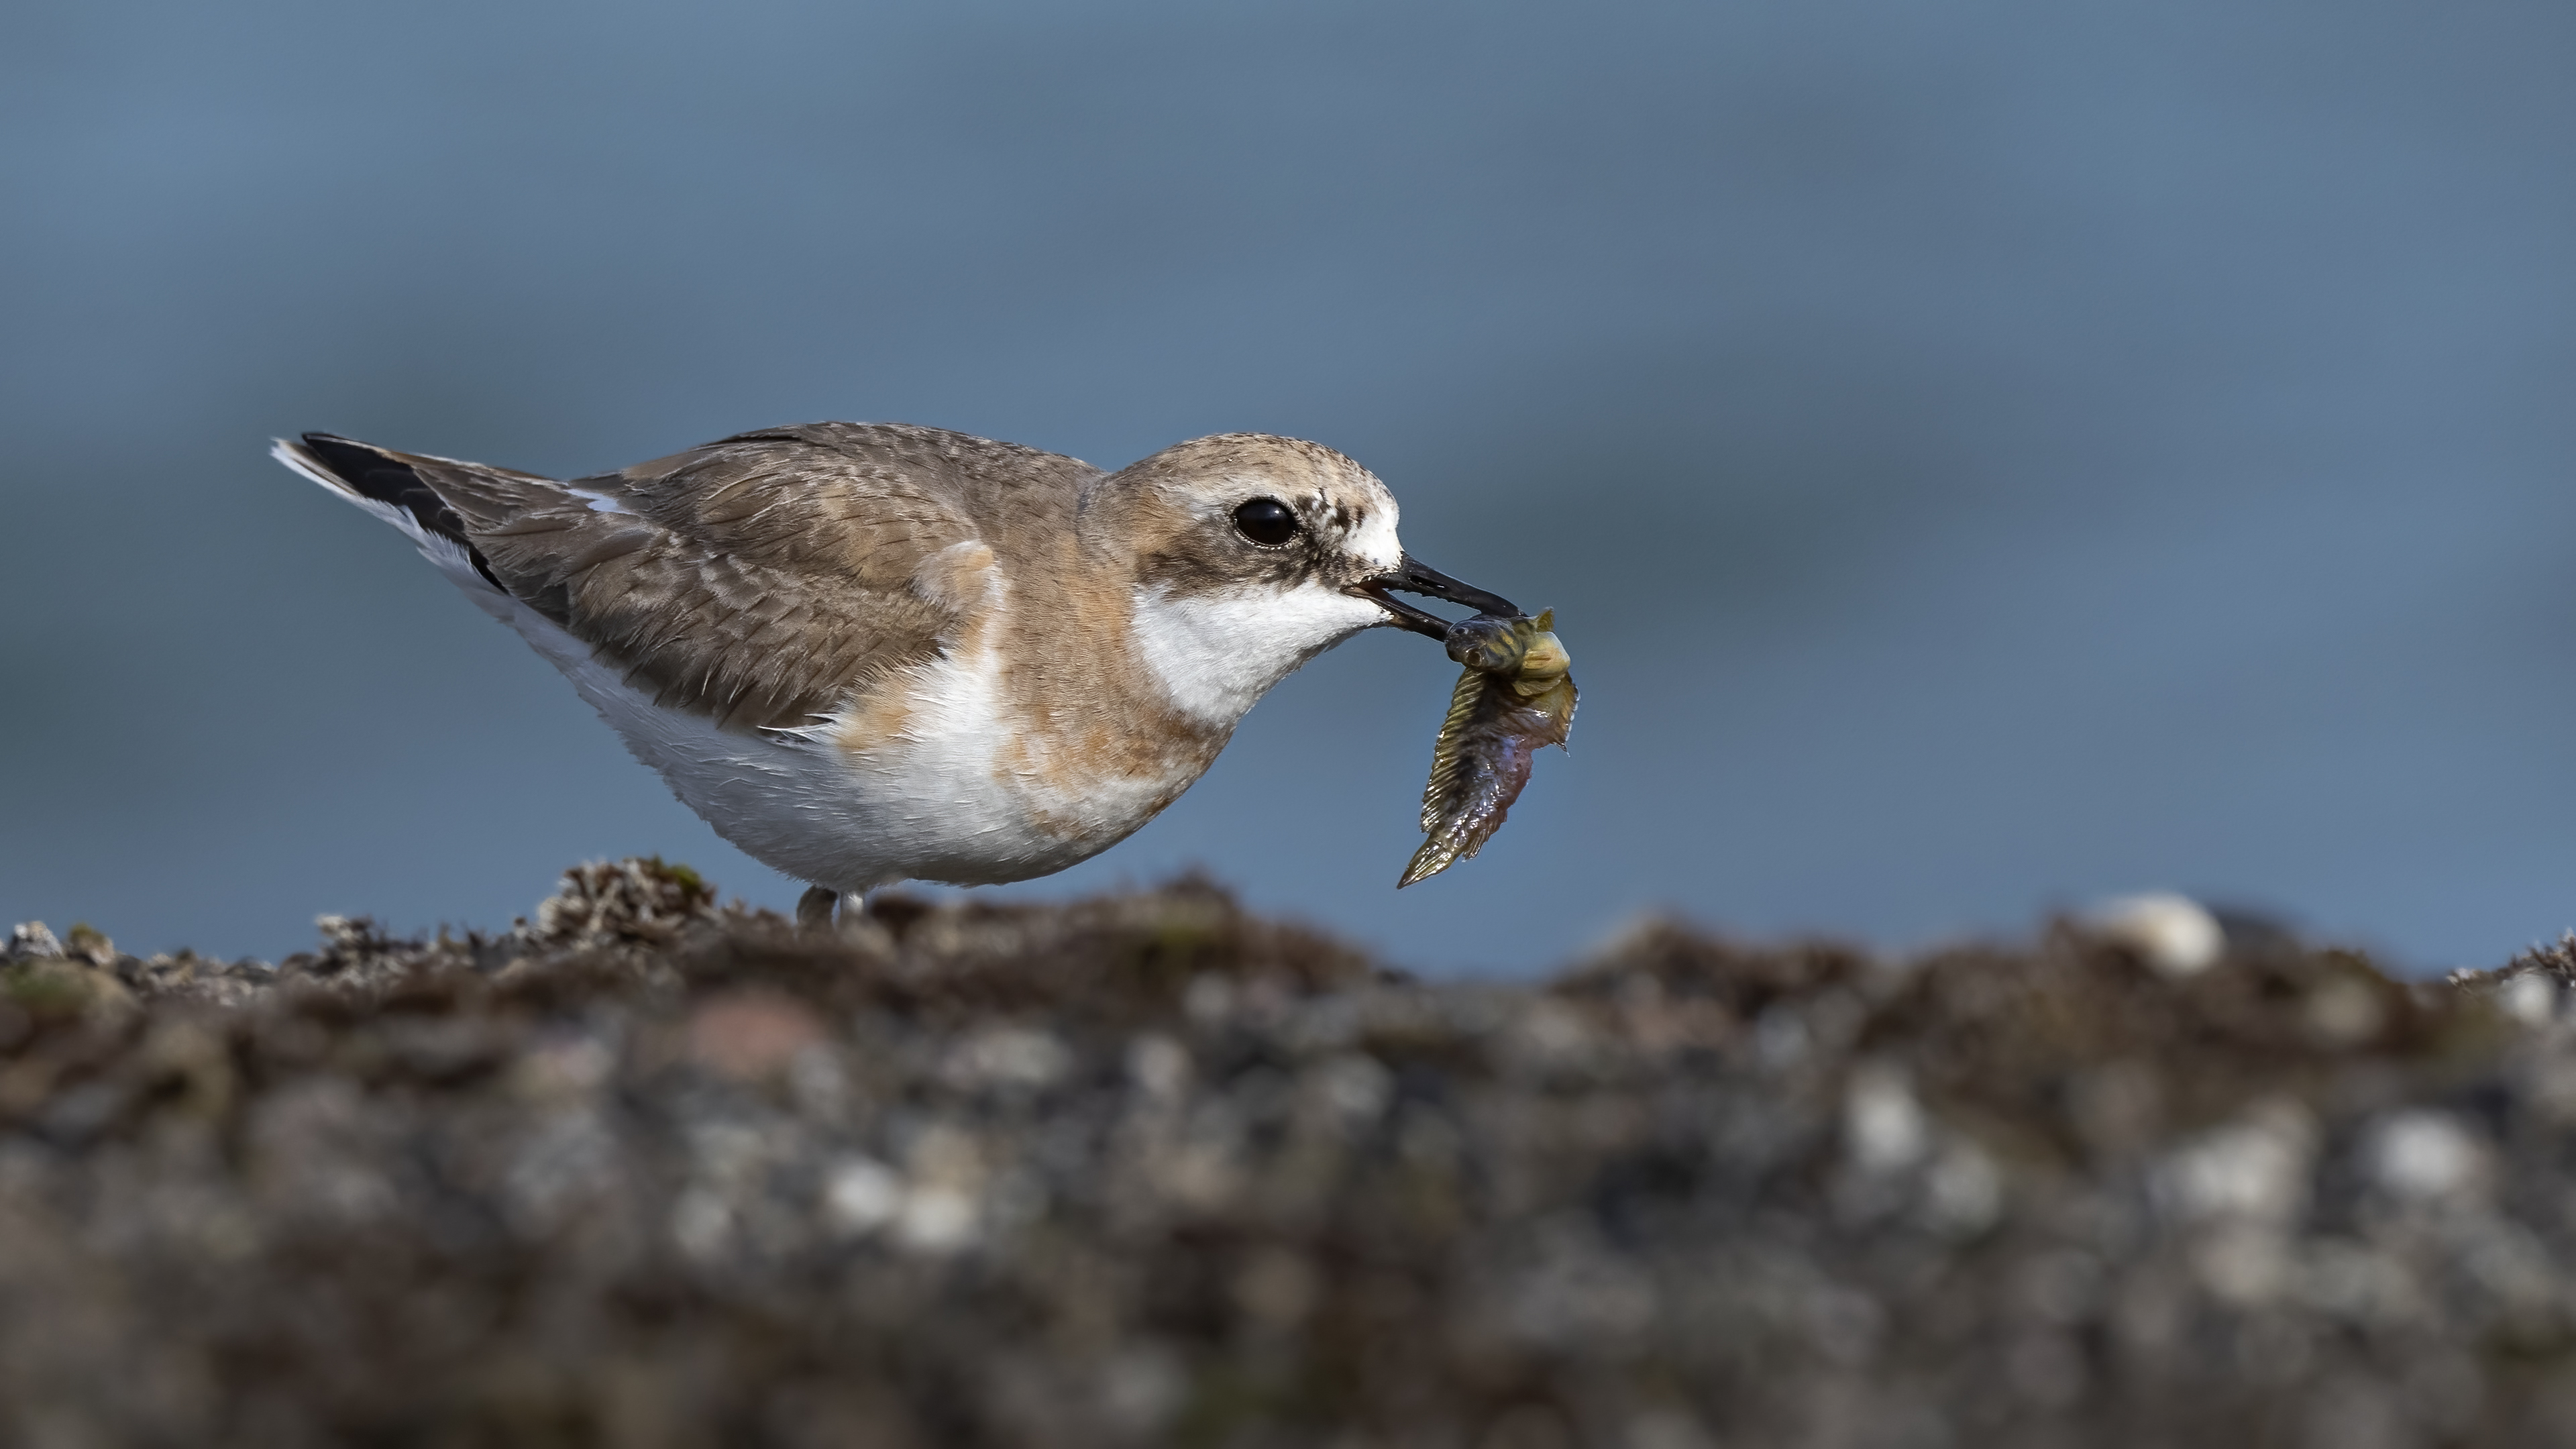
(385, 478)
(349, 460)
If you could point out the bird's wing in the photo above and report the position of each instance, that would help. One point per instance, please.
(759, 580)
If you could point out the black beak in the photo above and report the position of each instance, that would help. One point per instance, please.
(1416, 578)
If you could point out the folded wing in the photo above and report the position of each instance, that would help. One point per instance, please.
(758, 581)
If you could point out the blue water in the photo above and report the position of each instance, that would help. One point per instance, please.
(1984, 456)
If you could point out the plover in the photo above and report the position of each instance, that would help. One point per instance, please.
(872, 652)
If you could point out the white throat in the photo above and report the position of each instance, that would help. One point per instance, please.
(1217, 654)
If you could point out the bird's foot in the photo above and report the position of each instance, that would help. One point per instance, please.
(814, 908)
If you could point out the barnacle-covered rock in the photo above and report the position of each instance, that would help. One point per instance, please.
(1148, 1170)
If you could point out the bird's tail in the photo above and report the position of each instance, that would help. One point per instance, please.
(390, 485)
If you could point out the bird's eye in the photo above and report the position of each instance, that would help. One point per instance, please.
(1266, 521)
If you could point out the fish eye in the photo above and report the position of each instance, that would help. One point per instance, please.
(1266, 522)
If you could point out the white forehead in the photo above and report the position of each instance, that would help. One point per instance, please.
(1374, 539)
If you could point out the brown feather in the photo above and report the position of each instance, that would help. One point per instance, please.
(762, 579)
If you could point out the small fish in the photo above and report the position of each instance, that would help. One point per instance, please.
(1516, 695)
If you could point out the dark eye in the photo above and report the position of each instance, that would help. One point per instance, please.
(1266, 521)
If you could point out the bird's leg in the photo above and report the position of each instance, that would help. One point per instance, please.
(814, 908)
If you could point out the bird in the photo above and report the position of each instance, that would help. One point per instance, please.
(868, 653)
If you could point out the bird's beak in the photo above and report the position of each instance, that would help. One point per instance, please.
(1412, 577)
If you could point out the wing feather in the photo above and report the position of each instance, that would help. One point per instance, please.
(759, 580)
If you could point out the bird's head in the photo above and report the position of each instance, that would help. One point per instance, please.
(1248, 555)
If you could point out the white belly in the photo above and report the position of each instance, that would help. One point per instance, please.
(928, 803)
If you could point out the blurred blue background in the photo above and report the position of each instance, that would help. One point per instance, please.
(1984, 455)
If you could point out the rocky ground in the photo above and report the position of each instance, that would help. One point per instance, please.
(1147, 1170)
